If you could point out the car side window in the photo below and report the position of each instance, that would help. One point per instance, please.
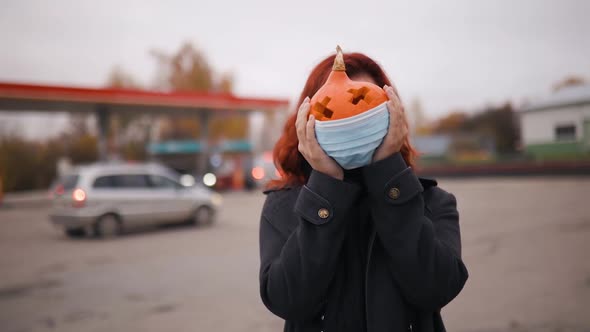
(131, 181)
(104, 182)
(162, 182)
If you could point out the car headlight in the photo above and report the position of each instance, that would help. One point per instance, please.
(216, 199)
(209, 179)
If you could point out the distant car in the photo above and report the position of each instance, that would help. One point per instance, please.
(104, 199)
(263, 170)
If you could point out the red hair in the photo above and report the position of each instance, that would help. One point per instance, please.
(292, 166)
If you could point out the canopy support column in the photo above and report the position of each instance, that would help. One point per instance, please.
(203, 157)
(103, 120)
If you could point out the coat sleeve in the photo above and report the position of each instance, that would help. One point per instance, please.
(424, 253)
(297, 267)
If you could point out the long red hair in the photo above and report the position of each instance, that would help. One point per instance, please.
(290, 163)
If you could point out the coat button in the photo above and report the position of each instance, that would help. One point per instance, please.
(323, 213)
(394, 193)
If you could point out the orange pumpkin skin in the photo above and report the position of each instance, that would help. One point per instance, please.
(340, 97)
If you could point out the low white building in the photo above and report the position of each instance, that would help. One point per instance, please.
(558, 126)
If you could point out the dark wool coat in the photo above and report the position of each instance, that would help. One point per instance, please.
(379, 253)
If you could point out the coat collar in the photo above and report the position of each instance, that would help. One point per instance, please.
(427, 183)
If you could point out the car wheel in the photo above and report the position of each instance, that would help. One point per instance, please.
(108, 226)
(74, 232)
(203, 216)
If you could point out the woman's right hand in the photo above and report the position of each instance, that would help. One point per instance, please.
(309, 146)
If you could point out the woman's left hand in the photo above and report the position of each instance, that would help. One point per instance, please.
(398, 127)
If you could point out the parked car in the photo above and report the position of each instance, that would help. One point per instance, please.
(105, 199)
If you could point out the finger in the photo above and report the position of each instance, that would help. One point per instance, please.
(310, 130)
(391, 94)
(300, 129)
(396, 102)
(390, 128)
(392, 109)
(394, 88)
(399, 119)
(302, 109)
(403, 125)
(313, 145)
(301, 119)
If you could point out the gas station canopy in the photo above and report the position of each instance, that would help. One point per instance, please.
(14, 96)
(105, 102)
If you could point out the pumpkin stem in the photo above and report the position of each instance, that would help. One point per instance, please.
(339, 60)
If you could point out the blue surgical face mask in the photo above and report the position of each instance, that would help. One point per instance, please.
(352, 141)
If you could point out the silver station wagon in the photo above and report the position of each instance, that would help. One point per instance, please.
(105, 199)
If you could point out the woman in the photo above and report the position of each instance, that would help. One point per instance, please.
(369, 249)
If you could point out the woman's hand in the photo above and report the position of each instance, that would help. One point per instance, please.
(398, 127)
(309, 146)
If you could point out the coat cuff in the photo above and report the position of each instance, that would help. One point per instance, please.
(325, 198)
(392, 180)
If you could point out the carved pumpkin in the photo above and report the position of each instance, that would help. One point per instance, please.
(340, 97)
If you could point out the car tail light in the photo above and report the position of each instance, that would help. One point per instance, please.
(78, 197)
(59, 190)
(258, 173)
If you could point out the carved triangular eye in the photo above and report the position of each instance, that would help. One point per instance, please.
(359, 94)
(322, 108)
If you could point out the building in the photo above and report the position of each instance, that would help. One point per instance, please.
(558, 126)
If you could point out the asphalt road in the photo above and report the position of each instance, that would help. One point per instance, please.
(526, 243)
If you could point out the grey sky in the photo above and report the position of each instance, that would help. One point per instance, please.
(450, 54)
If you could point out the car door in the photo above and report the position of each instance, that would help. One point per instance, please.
(134, 199)
(168, 198)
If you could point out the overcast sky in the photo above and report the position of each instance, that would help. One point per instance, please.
(449, 54)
